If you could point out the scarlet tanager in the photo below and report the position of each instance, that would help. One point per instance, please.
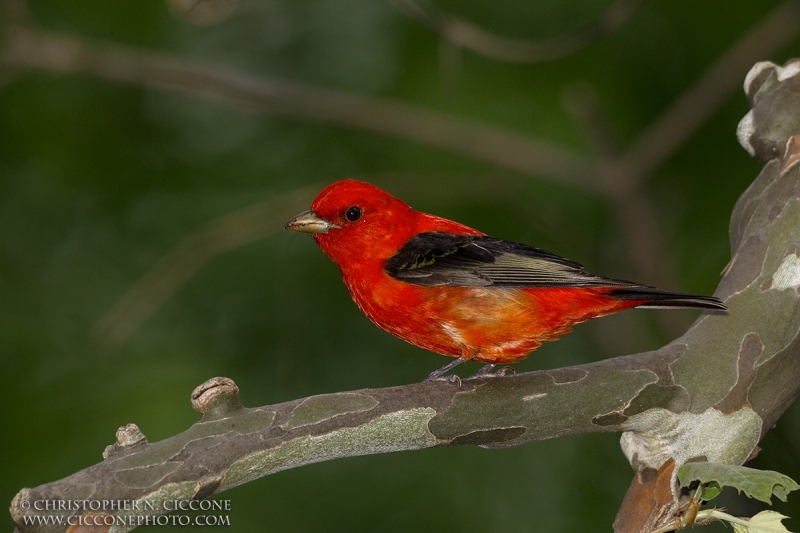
(453, 290)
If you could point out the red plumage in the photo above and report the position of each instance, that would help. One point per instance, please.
(451, 289)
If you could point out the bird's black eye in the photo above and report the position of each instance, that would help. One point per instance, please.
(353, 213)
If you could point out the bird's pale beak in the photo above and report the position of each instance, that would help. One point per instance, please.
(309, 222)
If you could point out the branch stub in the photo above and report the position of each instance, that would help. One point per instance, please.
(216, 398)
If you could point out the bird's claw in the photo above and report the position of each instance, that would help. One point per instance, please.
(505, 370)
(450, 378)
(487, 371)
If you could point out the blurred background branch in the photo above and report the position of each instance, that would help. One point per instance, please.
(705, 96)
(72, 55)
(464, 34)
(204, 12)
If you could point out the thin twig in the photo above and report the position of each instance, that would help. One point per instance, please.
(465, 34)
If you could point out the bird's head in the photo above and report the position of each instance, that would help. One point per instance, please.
(354, 221)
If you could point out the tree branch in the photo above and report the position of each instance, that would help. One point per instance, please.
(713, 393)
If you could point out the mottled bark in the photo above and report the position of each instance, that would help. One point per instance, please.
(712, 394)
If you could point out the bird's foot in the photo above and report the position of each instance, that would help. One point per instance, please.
(488, 371)
(505, 370)
(439, 373)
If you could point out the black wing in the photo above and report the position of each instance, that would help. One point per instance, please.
(436, 258)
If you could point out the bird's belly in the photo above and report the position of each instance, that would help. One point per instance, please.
(490, 325)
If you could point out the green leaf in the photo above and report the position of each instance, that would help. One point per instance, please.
(710, 491)
(763, 522)
(758, 484)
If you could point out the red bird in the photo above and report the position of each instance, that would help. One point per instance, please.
(453, 290)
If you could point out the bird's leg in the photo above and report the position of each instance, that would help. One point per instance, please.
(486, 370)
(439, 372)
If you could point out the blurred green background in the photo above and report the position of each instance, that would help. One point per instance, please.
(98, 181)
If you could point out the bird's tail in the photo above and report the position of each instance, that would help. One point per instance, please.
(667, 300)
